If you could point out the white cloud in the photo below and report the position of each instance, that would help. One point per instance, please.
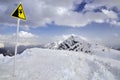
(61, 10)
(25, 38)
(116, 34)
(108, 4)
(23, 34)
(115, 41)
(95, 17)
(115, 23)
(1, 45)
(40, 12)
(110, 14)
(66, 36)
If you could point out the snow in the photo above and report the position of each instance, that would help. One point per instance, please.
(46, 64)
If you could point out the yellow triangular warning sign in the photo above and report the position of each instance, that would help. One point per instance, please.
(19, 12)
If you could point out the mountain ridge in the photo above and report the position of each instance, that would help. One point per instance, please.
(75, 43)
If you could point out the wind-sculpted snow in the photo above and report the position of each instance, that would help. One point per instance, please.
(45, 64)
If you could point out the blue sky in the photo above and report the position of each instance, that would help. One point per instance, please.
(94, 30)
(96, 20)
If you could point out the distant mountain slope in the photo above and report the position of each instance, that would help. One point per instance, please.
(75, 43)
(9, 51)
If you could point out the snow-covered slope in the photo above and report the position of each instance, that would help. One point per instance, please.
(45, 64)
(52, 45)
(75, 43)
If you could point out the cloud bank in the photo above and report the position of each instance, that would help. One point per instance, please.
(73, 13)
(25, 38)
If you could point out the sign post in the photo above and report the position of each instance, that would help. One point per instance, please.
(17, 13)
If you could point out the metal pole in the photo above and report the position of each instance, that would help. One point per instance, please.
(16, 47)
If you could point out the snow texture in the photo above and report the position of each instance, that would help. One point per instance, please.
(46, 64)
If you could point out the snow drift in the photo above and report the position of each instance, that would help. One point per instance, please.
(45, 64)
